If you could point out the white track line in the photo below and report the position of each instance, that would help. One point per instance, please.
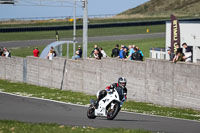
(87, 106)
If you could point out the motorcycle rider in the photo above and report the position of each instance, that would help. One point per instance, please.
(121, 84)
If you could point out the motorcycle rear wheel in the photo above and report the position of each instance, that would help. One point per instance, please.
(91, 112)
(112, 113)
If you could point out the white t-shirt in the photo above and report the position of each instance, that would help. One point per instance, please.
(50, 55)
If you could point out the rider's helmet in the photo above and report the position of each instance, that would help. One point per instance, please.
(122, 82)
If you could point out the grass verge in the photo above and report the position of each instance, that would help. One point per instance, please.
(21, 127)
(84, 99)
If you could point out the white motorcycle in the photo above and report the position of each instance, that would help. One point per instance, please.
(109, 106)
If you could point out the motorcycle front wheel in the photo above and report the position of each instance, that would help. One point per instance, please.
(91, 112)
(112, 113)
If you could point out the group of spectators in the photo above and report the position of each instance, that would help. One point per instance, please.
(5, 52)
(50, 55)
(131, 52)
(127, 53)
(98, 53)
(179, 55)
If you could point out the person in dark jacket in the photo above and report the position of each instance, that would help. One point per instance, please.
(97, 54)
(80, 51)
(115, 51)
(179, 56)
(136, 55)
(95, 48)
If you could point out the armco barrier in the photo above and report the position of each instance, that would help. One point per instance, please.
(153, 81)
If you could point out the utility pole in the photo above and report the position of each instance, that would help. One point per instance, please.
(74, 32)
(85, 28)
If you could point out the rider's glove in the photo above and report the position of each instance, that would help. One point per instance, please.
(109, 90)
(124, 99)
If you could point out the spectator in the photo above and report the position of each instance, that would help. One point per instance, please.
(136, 55)
(97, 54)
(50, 54)
(122, 54)
(177, 46)
(188, 52)
(115, 51)
(57, 36)
(125, 52)
(131, 51)
(6, 52)
(171, 55)
(95, 48)
(36, 52)
(1, 52)
(76, 57)
(54, 52)
(140, 53)
(103, 52)
(80, 51)
(179, 56)
(126, 48)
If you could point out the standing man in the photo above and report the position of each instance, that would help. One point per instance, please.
(36, 52)
(122, 52)
(188, 52)
(115, 51)
(57, 36)
(80, 51)
(131, 51)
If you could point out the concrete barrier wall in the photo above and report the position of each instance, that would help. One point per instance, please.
(154, 81)
(12, 68)
(187, 85)
(45, 72)
(160, 82)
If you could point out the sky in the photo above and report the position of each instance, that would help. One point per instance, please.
(27, 8)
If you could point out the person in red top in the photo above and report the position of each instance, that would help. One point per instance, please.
(36, 52)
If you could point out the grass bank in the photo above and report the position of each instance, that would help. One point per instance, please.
(21, 127)
(64, 22)
(84, 99)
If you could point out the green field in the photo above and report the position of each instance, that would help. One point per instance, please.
(144, 45)
(13, 36)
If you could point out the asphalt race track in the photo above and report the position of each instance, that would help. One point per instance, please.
(90, 39)
(36, 110)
